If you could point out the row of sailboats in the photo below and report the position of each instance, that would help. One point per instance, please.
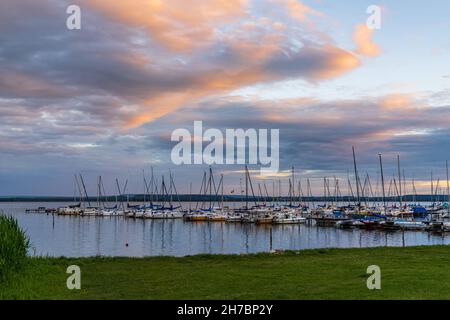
(365, 208)
(404, 216)
(257, 213)
(211, 210)
(165, 209)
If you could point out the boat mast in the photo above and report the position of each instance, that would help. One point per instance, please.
(171, 190)
(145, 187)
(74, 191)
(448, 188)
(261, 197)
(79, 189)
(124, 192)
(382, 183)
(85, 192)
(309, 192)
(240, 188)
(190, 196)
(279, 192)
(435, 194)
(98, 192)
(101, 194)
(293, 185)
(202, 192)
(267, 198)
(210, 188)
(399, 182)
(432, 189)
(152, 181)
(221, 180)
(336, 188)
(120, 194)
(357, 178)
(300, 193)
(273, 193)
(246, 188)
(371, 194)
(290, 192)
(251, 185)
(163, 192)
(404, 184)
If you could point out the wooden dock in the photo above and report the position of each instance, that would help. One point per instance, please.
(41, 210)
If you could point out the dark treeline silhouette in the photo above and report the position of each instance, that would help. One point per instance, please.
(226, 198)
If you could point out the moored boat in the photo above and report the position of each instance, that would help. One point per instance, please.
(348, 224)
(288, 218)
(410, 225)
(234, 217)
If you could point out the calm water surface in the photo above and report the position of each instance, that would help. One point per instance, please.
(54, 235)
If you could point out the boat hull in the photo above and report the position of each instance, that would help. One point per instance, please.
(290, 221)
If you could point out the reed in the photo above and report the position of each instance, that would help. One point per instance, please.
(14, 244)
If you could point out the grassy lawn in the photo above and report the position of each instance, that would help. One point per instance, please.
(407, 273)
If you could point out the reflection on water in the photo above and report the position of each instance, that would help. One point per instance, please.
(117, 236)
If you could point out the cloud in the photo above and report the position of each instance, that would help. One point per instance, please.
(315, 63)
(315, 136)
(299, 10)
(176, 24)
(399, 102)
(139, 69)
(308, 127)
(238, 49)
(146, 59)
(362, 37)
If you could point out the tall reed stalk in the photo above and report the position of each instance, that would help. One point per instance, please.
(14, 244)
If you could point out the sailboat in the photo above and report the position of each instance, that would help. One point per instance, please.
(200, 214)
(89, 210)
(161, 211)
(288, 217)
(218, 214)
(74, 209)
(103, 209)
(264, 216)
(258, 214)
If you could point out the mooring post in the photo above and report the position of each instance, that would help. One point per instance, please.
(270, 232)
(403, 236)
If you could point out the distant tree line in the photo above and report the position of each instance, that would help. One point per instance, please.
(226, 198)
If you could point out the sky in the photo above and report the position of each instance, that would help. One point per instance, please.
(105, 99)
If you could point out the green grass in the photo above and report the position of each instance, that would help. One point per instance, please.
(407, 273)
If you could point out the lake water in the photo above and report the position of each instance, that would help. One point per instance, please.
(55, 235)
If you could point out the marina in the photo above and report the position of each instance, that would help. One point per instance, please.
(159, 222)
(72, 236)
(366, 209)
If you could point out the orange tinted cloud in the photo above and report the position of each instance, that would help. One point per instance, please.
(327, 62)
(219, 83)
(299, 10)
(339, 62)
(397, 101)
(215, 47)
(364, 43)
(178, 25)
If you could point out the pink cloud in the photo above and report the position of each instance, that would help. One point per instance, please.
(362, 37)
